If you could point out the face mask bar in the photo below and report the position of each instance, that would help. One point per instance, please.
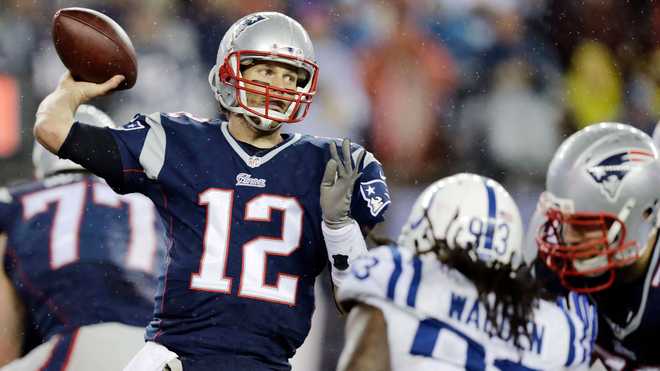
(581, 265)
(297, 102)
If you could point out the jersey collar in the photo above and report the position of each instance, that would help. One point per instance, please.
(255, 161)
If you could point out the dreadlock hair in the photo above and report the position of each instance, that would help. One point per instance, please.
(509, 295)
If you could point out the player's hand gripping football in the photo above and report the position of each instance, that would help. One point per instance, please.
(81, 92)
(337, 186)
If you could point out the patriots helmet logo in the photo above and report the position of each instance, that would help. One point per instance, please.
(610, 171)
(374, 192)
(248, 22)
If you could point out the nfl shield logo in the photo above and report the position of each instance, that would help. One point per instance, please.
(253, 161)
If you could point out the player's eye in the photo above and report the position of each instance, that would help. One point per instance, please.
(291, 78)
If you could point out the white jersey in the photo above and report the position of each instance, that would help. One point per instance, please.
(436, 322)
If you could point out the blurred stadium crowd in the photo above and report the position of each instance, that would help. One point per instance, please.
(432, 87)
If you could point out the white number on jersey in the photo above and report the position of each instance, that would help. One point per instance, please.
(69, 203)
(213, 265)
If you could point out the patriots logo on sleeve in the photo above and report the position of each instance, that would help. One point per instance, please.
(610, 171)
(374, 192)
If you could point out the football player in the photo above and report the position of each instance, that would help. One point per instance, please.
(80, 267)
(254, 214)
(599, 234)
(453, 295)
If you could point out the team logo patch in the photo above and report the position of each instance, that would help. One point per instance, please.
(374, 192)
(247, 180)
(610, 171)
(248, 22)
(135, 125)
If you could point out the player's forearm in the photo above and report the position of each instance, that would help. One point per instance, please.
(343, 245)
(366, 347)
(55, 118)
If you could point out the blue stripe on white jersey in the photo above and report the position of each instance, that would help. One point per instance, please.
(571, 349)
(429, 306)
(580, 306)
(414, 283)
(492, 213)
(396, 274)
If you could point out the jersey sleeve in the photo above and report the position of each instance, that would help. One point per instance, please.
(384, 274)
(371, 196)
(141, 144)
(582, 319)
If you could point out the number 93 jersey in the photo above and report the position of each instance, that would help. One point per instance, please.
(246, 226)
(435, 321)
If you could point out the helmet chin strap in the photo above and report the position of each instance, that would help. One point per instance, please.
(262, 124)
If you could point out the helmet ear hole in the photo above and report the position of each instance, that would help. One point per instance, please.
(648, 212)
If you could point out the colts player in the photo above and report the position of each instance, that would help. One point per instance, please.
(254, 214)
(80, 267)
(453, 295)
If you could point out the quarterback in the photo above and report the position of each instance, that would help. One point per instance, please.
(254, 214)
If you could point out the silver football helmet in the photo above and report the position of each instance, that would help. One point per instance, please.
(264, 36)
(656, 135)
(466, 211)
(600, 204)
(46, 163)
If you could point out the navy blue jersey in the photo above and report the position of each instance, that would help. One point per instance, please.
(246, 230)
(80, 254)
(630, 318)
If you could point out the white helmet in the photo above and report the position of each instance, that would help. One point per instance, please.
(466, 211)
(268, 36)
(46, 163)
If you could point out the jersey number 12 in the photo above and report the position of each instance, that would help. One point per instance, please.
(213, 266)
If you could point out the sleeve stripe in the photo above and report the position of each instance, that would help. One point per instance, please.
(492, 211)
(356, 154)
(368, 158)
(414, 283)
(394, 278)
(571, 343)
(152, 156)
(579, 302)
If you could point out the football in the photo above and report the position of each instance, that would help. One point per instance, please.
(93, 46)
